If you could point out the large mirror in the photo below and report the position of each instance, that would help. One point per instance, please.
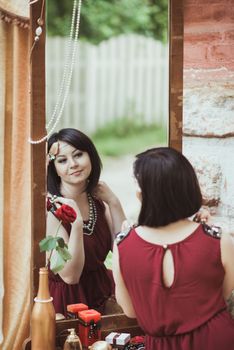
(119, 88)
(128, 82)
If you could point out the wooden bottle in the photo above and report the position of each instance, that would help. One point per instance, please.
(43, 316)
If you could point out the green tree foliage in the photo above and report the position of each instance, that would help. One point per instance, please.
(102, 19)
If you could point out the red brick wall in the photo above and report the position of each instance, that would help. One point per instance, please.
(208, 101)
(209, 34)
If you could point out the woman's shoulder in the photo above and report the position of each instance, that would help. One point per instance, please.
(212, 230)
(227, 252)
(124, 233)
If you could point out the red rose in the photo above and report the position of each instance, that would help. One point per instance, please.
(66, 214)
(138, 339)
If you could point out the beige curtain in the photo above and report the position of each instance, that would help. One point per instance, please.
(15, 176)
(16, 8)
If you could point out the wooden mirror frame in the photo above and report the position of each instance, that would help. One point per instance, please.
(38, 183)
(176, 54)
(38, 151)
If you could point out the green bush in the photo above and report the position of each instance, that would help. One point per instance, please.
(126, 136)
(103, 19)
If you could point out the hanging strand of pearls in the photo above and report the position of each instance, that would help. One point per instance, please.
(40, 23)
(65, 70)
(67, 74)
(89, 226)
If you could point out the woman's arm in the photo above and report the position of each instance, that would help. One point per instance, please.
(73, 268)
(114, 211)
(121, 292)
(227, 254)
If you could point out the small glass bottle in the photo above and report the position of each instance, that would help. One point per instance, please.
(73, 341)
(43, 316)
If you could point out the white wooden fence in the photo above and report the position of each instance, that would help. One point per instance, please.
(126, 76)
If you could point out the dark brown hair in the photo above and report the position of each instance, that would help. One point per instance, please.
(169, 185)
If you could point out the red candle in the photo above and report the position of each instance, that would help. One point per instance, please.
(89, 326)
(75, 308)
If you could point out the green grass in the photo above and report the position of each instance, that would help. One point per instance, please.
(128, 136)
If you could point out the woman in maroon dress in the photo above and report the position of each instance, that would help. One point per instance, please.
(73, 178)
(171, 273)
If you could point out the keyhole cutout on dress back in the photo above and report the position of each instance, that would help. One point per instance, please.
(168, 269)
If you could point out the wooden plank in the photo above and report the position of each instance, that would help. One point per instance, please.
(148, 83)
(165, 83)
(38, 150)
(122, 94)
(103, 79)
(176, 74)
(157, 99)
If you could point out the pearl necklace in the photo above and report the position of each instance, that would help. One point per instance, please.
(89, 227)
(67, 73)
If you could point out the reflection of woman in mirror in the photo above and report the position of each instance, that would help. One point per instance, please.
(172, 273)
(73, 179)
